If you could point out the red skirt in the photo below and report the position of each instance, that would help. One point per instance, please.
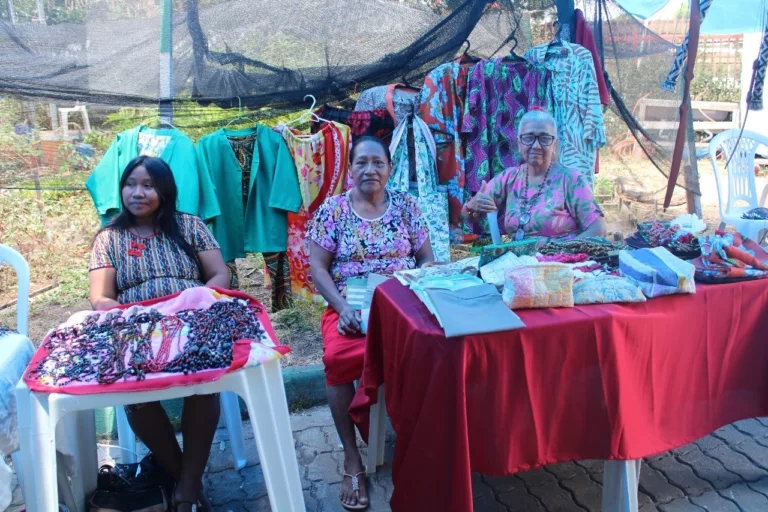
(342, 355)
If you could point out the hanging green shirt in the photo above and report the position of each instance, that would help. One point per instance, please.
(196, 192)
(261, 224)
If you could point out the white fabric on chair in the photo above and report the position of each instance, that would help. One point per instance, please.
(15, 353)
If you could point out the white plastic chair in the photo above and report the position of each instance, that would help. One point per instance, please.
(261, 388)
(19, 264)
(230, 408)
(741, 180)
(377, 434)
(71, 429)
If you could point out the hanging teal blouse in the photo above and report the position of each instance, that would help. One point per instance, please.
(196, 192)
(258, 222)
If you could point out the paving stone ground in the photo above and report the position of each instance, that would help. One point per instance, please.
(726, 471)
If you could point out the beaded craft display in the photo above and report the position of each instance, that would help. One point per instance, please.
(151, 341)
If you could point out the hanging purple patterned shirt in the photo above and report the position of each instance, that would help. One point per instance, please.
(499, 92)
(565, 207)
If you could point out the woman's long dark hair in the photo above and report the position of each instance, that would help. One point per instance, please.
(165, 216)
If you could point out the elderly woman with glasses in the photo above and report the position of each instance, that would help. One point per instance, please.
(539, 198)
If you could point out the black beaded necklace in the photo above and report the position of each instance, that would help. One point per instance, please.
(117, 347)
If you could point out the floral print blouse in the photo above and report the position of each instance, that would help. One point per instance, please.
(565, 207)
(361, 246)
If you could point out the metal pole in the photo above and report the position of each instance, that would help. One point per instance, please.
(685, 110)
(11, 14)
(691, 171)
(166, 62)
(41, 11)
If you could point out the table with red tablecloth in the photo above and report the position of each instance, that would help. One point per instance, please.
(613, 381)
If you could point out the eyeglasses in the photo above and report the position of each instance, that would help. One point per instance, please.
(525, 218)
(529, 139)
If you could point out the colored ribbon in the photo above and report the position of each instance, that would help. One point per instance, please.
(682, 53)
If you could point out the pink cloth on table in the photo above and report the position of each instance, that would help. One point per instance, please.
(563, 258)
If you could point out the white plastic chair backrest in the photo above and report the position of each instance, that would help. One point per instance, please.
(741, 169)
(19, 264)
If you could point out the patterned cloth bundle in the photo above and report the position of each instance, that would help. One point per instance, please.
(727, 257)
(657, 272)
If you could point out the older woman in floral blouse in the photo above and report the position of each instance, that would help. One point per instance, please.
(540, 197)
(367, 230)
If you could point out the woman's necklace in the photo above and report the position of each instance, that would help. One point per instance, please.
(137, 248)
(525, 217)
(357, 201)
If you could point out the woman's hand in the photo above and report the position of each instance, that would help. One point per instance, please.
(481, 203)
(349, 321)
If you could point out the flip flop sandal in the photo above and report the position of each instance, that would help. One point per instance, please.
(195, 505)
(175, 503)
(356, 490)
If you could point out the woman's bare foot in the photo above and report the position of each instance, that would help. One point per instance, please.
(349, 496)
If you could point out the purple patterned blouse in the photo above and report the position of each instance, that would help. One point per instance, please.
(361, 246)
(565, 207)
(499, 92)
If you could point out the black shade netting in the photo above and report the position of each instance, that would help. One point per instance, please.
(266, 52)
(266, 55)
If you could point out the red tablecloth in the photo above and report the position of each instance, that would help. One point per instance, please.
(593, 382)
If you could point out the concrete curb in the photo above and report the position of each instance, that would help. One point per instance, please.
(304, 388)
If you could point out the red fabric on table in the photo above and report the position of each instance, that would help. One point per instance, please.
(342, 355)
(614, 381)
(240, 353)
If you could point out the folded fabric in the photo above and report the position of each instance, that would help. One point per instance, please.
(605, 290)
(657, 271)
(466, 266)
(474, 310)
(495, 272)
(726, 257)
(759, 213)
(491, 252)
(450, 283)
(543, 285)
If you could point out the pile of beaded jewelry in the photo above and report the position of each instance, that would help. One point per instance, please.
(107, 347)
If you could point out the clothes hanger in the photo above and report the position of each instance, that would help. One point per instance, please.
(310, 112)
(160, 121)
(466, 57)
(512, 55)
(557, 41)
(406, 85)
(240, 116)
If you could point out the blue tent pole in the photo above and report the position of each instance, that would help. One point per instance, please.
(166, 61)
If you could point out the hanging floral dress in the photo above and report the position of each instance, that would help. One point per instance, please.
(321, 164)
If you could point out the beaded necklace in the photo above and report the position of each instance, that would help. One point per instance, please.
(107, 347)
